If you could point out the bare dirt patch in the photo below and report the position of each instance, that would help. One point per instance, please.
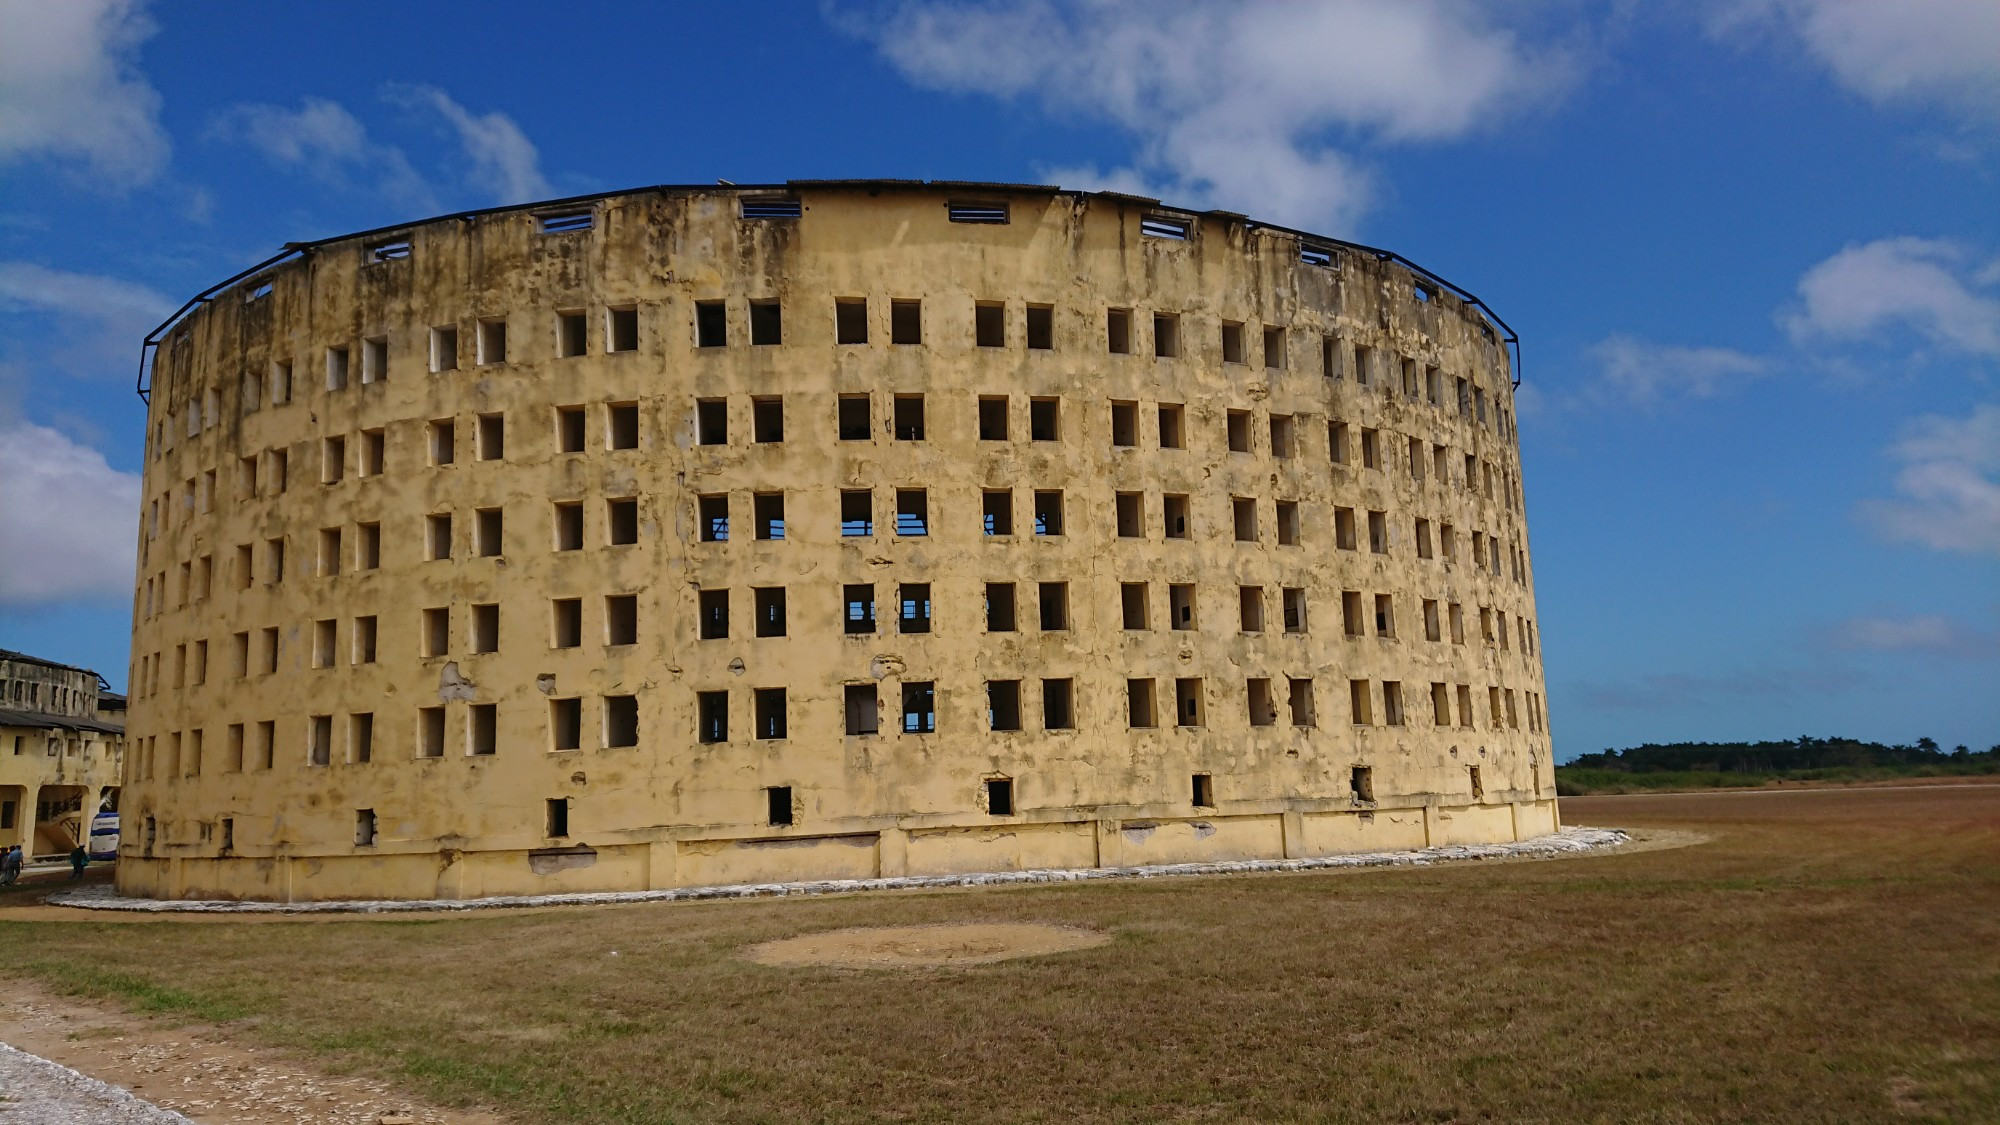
(916, 947)
(201, 1072)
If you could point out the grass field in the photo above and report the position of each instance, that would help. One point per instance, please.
(1581, 781)
(1829, 956)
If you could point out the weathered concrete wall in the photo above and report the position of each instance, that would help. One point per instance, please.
(673, 810)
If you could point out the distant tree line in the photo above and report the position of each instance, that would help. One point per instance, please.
(1804, 753)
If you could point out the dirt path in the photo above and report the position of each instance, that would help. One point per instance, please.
(198, 1072)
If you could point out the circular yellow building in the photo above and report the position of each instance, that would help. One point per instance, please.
(701, 535)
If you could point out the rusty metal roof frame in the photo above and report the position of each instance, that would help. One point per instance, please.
(301, 249)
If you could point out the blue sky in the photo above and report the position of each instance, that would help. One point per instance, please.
(1752, 248)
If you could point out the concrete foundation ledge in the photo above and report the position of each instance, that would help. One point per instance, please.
(1569, 841)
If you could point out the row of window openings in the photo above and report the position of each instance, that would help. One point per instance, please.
(619, 719)
(769, 618)
(622, 430)
(856, 519)
(272, 468)
(620, 333)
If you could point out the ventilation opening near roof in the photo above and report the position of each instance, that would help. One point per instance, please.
(1423, 292)
(389, 251)
(772, 207)
(977, 212)
(257, 292)
(1163, 226)
(566, 222)
(1315, 255)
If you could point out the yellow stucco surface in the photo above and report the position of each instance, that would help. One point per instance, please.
(233, 557)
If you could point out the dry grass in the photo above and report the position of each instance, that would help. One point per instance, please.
(1831, 956)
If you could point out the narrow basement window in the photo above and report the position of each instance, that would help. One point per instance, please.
(556, 821)
(711, 324)
(1361, 781)
(1000, 796)
(1204, 791)
(766, 323)
(778, 806)
(572, 335)
(364, 828)
(621, 329)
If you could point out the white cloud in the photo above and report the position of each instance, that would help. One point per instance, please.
(1930, 633)
(1920, 284)
(70, 520)
(504, 162)
(69, 90)
(1236, 105)
(324, 140)
(1945, 51)
(1949, 484)
(1631, 370)
(90, 325)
